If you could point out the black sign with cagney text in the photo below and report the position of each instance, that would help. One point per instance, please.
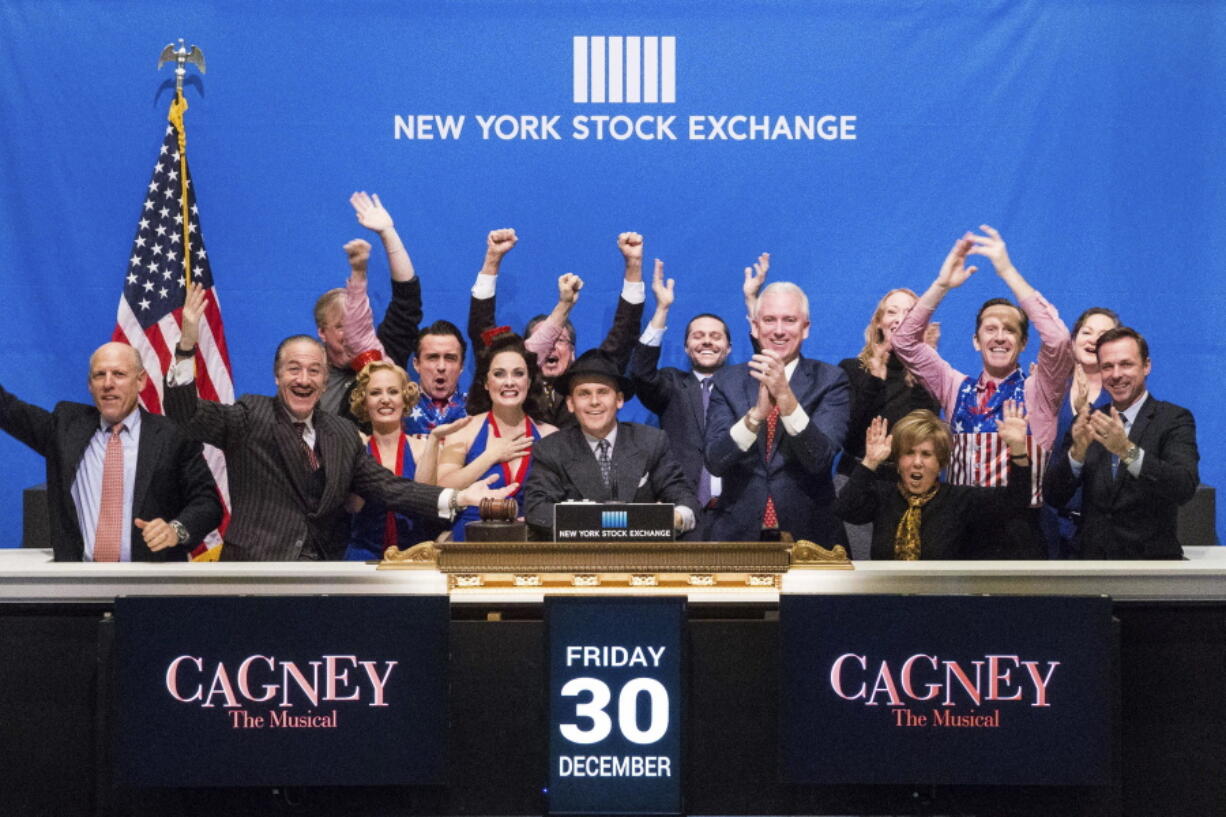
(970, 690)
(261, 691)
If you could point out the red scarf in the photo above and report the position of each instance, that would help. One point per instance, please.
(524, 461)
(389, 525)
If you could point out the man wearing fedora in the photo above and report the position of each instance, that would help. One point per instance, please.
(601, 459)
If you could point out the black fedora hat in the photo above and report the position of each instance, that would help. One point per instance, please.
(594, 363)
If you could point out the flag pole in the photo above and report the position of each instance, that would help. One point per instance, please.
(181, 56)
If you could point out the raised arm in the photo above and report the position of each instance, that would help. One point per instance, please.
(357, 321)
(922, 360)
(992, 246)
(628, 319)
(398, 331)
(545, 333)
(201, 420)
(372, 215)
(649, 385)
(755, 279)
(26, 422)
(481, 305)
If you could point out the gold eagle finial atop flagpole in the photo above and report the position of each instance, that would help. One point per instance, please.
(181, 56)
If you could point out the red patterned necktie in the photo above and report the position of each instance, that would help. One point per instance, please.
(311, 460)
(989, 389)
(770, 519)
(110, 511)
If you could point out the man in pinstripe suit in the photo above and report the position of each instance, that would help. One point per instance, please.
(291, 465)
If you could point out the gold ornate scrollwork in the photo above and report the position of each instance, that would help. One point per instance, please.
(424, 553)
(809, 554)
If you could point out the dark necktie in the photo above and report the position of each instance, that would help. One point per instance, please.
(606, 465)
(704, 476)
(312, 462)
(770, 519)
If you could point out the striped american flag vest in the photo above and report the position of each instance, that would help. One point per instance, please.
(979, 457)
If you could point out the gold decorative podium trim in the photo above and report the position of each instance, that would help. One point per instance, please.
(666, 565)
(807, 554)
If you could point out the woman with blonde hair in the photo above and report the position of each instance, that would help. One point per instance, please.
(880, 387)
(382, 396)
(917, 516)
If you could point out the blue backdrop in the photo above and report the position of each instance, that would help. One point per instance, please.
(1089, 133)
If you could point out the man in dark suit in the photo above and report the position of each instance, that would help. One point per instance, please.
(1136, 462)
(292, 465)
(774, 427)
(122, 484)
(680, 398)
(600, 458)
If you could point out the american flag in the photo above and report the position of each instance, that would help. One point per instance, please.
(151, 307)
(981, 458)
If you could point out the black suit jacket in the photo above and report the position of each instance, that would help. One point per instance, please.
(275, 515)
(795, 472)
(565, 469)
(1127, 517)
(619, 343)
(676, 398)
(172, 479)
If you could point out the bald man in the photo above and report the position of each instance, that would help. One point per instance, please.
(122, 484)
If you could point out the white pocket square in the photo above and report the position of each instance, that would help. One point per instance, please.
(643, 481)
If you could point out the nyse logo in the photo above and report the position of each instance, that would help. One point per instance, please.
(625, 69)
(614, 519)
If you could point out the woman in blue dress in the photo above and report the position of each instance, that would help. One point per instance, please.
(383, 396)
(505, 392)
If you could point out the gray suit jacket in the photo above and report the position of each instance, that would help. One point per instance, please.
(275, 515)
(564, 468)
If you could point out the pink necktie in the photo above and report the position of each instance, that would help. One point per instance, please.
(110, 512)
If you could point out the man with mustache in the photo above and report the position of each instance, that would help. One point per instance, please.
(974, 405)
(680, 398)
(292, 465)
(1136, 463)
(774, 426)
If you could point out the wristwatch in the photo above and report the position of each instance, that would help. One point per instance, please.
(1130, 456)
(180, 531)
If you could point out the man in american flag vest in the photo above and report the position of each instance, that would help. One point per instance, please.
(974, 404)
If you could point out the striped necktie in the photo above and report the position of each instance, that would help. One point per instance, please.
(109, 532)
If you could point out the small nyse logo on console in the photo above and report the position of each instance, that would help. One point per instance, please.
(264, 692)
(929, 691)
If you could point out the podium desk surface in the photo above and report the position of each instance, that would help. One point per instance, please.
(31, 576)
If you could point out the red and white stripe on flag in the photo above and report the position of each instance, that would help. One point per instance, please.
(151, 306)
(980, 458)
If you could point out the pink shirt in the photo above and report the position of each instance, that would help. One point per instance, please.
(357, 321)
(1044, 389)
